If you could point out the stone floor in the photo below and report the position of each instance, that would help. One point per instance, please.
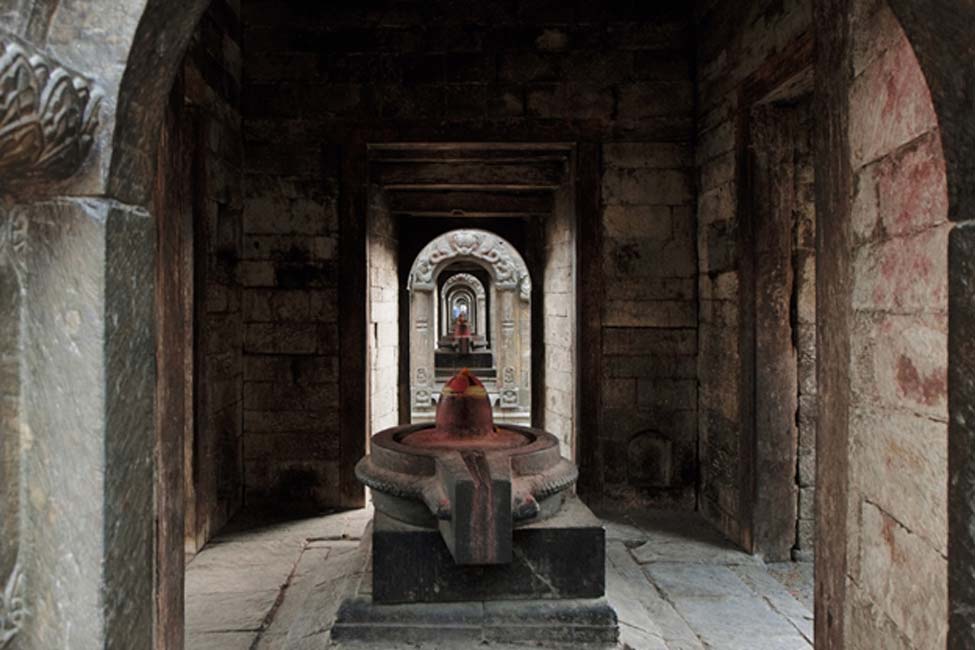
(675, 583)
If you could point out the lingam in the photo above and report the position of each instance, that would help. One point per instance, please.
(479, 517)
(462, 334)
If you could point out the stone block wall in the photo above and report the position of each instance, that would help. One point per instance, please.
(735, 41)
(559, 324)
(897, 503)
(382, 250)
(321, 82)
(649, 318)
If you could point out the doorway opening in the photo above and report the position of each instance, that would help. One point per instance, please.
(459, 320)
(479, 242)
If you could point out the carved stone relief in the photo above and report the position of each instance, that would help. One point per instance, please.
(48, 116)
(13, 239)
(526, 288)
(465, 279)
(13, 246)
(509, 376)
(13, 608)
(506, 265)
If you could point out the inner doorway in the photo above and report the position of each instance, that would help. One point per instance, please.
(779, 363)
(487, 231)
(470, 307)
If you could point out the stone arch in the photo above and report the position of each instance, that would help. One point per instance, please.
(935, 36)
(478, 294)
(509, 296)
(493, 253)
(160, 42)
(101, 70)
(940, 34)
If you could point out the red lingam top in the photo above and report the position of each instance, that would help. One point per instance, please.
(464, 419)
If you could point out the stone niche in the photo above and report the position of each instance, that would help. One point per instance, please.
(481, 275)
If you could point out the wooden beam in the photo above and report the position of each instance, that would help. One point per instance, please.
(353, 301)
(541, 174)
(469, 203)
(589, 252)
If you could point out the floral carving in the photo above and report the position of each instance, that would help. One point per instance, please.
(48, 116)
(13, 609)
(507, 266)
(13, 239)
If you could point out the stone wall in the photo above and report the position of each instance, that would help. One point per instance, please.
(321, 83)
(735, 42)
(382, 251)
(897, 524)
(559, 323)
(649, 317)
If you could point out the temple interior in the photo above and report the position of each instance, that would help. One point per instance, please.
(716, 255)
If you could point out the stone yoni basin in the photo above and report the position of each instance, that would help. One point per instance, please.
(473, 481)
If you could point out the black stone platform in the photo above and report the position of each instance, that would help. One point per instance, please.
(553, 591)
(559, 558)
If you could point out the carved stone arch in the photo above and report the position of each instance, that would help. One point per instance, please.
(478, 317)
(465, 278)
(497, 256)
(85, 84)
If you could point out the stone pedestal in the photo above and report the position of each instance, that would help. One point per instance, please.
(553, 590)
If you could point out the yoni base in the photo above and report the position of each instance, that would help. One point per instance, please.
(552, 593)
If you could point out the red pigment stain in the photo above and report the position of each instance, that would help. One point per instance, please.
(888, 534)
(928, 390)
(482, 515)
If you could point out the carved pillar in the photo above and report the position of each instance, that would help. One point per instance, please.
(508, 356)
(90, 373)
(84, 375)
(422, 344)
(524, 344)
(48, 120)
(13, 242)
(481, 314)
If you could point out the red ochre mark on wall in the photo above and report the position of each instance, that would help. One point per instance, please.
(929, 389)
(901, 270)
(896, 557)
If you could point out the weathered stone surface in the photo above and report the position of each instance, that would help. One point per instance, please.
(917, 607)
(90, 314)
(890, 104)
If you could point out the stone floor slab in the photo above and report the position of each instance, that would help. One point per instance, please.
(677, 585)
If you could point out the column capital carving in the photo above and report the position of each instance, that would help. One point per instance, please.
(48, 115)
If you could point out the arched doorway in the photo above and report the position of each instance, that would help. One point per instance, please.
(497, 347)
(935, 29)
